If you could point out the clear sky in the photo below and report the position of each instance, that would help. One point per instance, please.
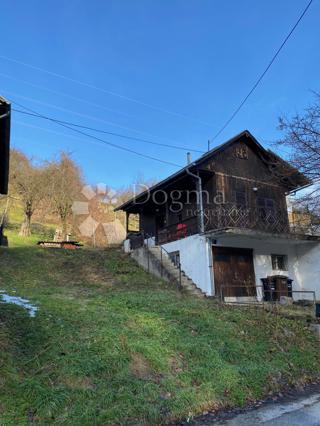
(197, 58)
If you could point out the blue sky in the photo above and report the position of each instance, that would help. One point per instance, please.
(195, 58)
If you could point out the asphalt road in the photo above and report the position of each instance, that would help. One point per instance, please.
(302, 410)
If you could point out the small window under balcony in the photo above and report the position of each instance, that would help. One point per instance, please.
(279, 262)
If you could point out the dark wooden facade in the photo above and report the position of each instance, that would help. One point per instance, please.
(243, 186)
(4, 144)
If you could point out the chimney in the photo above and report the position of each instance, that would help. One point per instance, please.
(189, 160)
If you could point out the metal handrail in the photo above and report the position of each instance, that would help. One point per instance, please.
(162, 249)
(271, 291)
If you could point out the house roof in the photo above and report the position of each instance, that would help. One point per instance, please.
(295, 181)
(5, 110)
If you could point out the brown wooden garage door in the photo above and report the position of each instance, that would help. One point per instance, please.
(233, 272)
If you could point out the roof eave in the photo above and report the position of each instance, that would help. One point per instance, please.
(197, 162)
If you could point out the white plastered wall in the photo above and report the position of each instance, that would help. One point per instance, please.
(307, 267)
(303, 261)
(303, 265)
(195, 259)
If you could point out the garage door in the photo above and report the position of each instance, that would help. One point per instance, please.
(233, 272)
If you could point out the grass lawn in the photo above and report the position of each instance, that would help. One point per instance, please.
(111, 344)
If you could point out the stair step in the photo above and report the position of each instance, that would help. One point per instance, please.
(169, 263)
(192, 291)
(173, 269)
(186, 283)
(171, 266)
(189, 289)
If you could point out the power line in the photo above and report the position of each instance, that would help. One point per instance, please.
(60, 93)
(263, 74)
(54, 132)
(149, 157)
(99, 139)
(110, 133)
(64, 135)
(90, 117)
(109, 92)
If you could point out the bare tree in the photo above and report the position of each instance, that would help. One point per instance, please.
(65, 184)
(29, 184)
(302, 138)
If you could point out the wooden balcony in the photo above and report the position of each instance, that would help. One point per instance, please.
(272, 220)
(178, 230)
(222, 217)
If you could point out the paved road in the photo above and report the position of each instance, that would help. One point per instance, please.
(303, 411)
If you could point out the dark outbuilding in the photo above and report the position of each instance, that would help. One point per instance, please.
(5, 119)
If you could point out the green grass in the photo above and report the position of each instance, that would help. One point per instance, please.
(39, 232)
(113, 345)
(16, 213)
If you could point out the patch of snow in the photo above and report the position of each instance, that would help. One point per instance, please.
(6, 298)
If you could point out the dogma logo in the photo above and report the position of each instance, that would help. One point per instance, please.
(114, 230)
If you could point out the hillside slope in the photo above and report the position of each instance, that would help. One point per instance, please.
(112, 345)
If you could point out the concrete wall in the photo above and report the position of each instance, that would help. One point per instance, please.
(261, 253)
(261, 256)
(126, 246)
(303, 266)
(152, 265)
(303, 261)
(195, 259)
(307, 267)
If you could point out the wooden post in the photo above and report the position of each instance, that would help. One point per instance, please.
(127, 223)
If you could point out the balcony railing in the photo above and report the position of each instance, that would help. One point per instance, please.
(178, 230)
(267, 220)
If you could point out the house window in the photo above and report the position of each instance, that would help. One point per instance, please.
(240, 199)
(266, 207)
(279, 262)
(266, 203)
(175, 257)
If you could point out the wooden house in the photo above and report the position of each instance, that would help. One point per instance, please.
(225, 217)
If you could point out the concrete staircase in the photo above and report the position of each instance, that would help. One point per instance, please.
(170, 272)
